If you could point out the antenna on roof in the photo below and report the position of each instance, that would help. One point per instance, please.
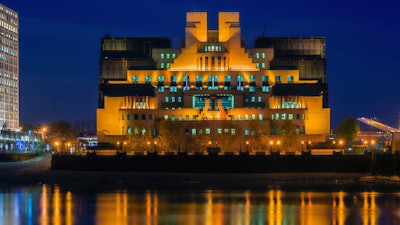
(265, 28)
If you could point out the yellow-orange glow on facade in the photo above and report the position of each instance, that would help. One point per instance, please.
(213, 86)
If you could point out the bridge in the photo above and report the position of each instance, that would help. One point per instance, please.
(394, 132)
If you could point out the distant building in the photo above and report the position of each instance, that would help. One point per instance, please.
(9, 71)
(213, 93)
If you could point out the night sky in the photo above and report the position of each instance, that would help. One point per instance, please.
(60, 46)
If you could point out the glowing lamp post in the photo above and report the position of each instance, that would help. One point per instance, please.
(278, 143)
(57, 146)
(247, 146)
(155, 146)
(148, 146)
(271, 143)
(302, 146)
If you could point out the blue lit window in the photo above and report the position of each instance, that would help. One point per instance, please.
(167, 99)
(160, 78)
(194, 131)
(278, 79)
(179, 99)
(160, 89)
(252, 89)
(265, 89)
(135, 79)
(246, 132)
(172, 99)
(129, 130)
(259, 99)
(290, 79)
(173, 89)
(129, 117)
(147, 79)
(253, 99)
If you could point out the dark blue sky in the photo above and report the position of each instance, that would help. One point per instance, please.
(60, 43)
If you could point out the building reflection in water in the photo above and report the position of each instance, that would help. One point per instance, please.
(51, 205)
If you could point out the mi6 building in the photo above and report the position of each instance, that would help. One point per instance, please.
(213, 92)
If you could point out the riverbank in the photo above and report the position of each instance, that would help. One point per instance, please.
(37, 171)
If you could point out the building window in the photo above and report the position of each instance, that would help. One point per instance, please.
(160, 89)
(143, 116)
(179, 99)
(167, 65)
(129, 130)
(240, 83)
(173, 55)
(136, 116)
(187, 117)
(219, 130)
(179, 117)
(246, 117)
(265, 89)
(290, 116)
(263, 55)
(283, 116)
(290, 79)
(199, 83)
(257, 55)
(166, 99)
(278, 79)
(162, 65)
(297, 116)
(173, 89)
(212, 82)
(253, 99)
(276, 116)
(257, 65)
(128, 117)
(208, 131)
(165, 117)
(150, 117)
(194, 131)
(123, 130)
(162, 55)
(303, 116)
(167, 55)
(253, 116)
(186, 83)
(173, 117)
(252, 89)
(147, 79)
(160, 78)
(263, 65)
(246, 132)
(260, 117)
(239, 117)
(135, 79)
(297, 129)
(123, 117)
(172, 99)
(259, 99)
(233, 131)
(272, 116)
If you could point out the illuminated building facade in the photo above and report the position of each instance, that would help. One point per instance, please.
(9, 86)
(213, 93)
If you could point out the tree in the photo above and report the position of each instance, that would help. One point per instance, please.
(348, 130)
(289, 135)
(60, 133)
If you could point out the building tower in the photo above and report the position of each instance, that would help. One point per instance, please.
(9, 100)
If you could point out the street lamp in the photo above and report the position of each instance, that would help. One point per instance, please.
(123, 147)
(302, 146)
(271, 143)
(117, 145)
(247, 146)
(340, 143)
(148, 146)
(155, 146)
(373, 157)
(69, 149)
(57, 146)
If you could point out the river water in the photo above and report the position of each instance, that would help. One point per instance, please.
(50, 204)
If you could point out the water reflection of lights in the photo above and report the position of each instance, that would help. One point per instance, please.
(51, 205)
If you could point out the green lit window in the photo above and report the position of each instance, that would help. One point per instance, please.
(162, 65)
(179, 117)
(165, 117)
(253, 116)
(129, 117)
(187, 117)
(219, 130)
(147, 79)
(162, 55)
(257, 65)
(257, 55)
(263, 65)
(278, 79)
(167, 65)
(167, 55)
(263, 55)
(208, 131)
(283, 116)
(173, 117)
(277, 116)
(260, 117)
(194, 131)
(129, 130)
(173, 55)
(246, 117)
(290, 116)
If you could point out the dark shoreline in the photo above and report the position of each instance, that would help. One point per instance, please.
(38, 171)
